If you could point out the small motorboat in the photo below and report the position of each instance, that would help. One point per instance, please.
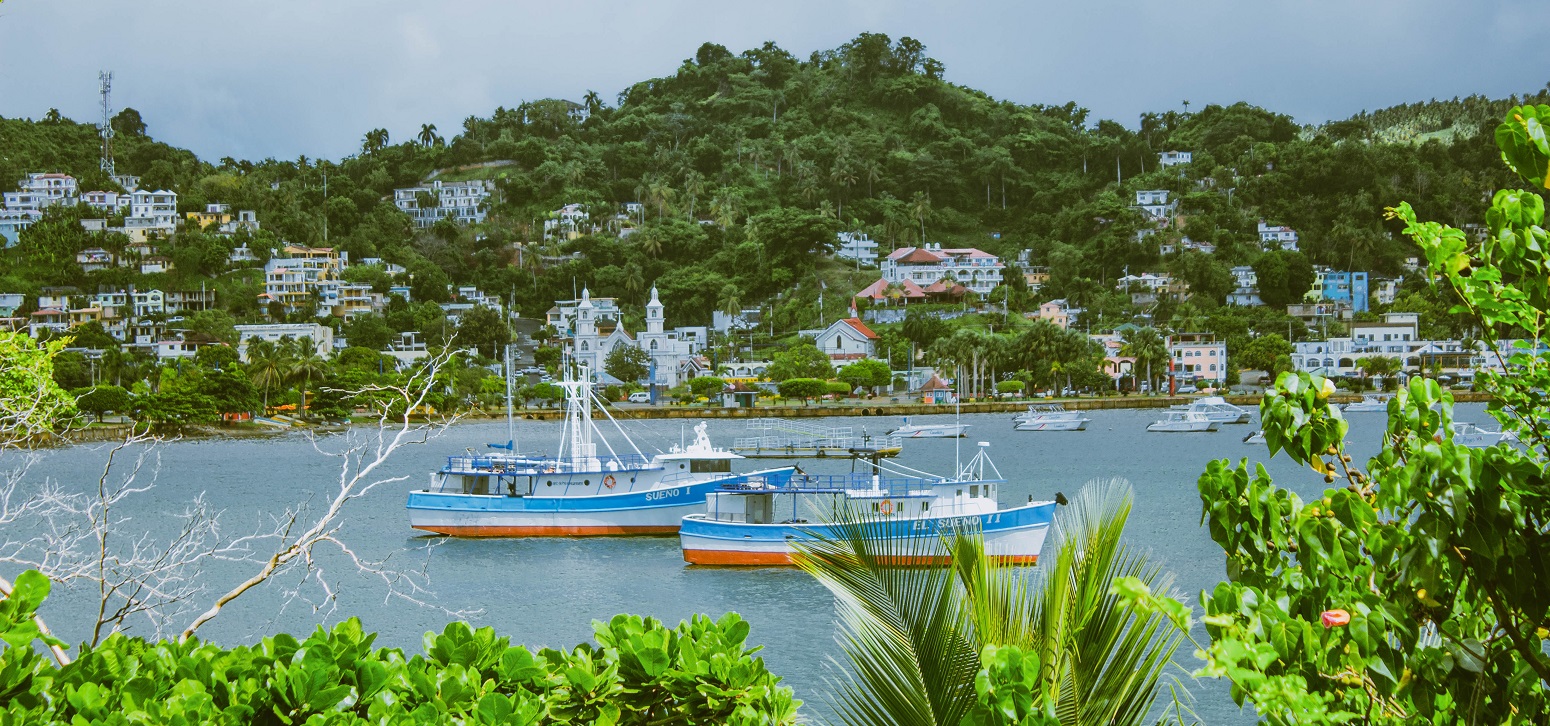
(930, 431)
(1369, 404)
(1471, 435)
(1183, 422)
(1050, 417)
(1258, 437)
(1217, 409)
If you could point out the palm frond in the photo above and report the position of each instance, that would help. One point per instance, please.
(902, 625)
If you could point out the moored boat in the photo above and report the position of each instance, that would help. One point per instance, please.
(1183, 422)
(1050, 417)
(1471, 435)
(580, 491)
(909, 430)
(1216, 409)
(1258, 437)
(762, 523)
(1369, 404)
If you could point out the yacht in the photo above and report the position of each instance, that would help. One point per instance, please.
(1183, 422)
(1050, 417)
(930, 431)
(1369, 404)
(755, 522)
(589, 488)
(1217, 409)
(1471, 435)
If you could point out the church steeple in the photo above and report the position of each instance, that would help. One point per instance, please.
(654, 313)
(586, 326)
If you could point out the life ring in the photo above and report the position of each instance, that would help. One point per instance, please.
(886, 507)
(608, 481)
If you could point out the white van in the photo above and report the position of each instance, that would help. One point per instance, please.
(640, 397)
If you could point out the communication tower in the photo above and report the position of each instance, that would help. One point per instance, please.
(105, 85)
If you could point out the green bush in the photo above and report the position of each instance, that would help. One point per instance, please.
(641, 672)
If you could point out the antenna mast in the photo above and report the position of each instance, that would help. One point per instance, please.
(105, 88)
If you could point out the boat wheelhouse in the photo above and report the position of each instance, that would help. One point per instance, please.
(589, 488)
(1473, 436)
(762, 523)
(1216, 409)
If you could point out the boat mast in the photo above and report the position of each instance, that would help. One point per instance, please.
(511, 427)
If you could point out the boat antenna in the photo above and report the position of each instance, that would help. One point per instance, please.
(957, 414)
(511, 427)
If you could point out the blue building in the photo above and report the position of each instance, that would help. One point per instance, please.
(1345, 286)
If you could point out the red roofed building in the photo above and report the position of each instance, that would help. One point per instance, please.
(845, 340)
(972, 268)
(891, 292)
(936, 391)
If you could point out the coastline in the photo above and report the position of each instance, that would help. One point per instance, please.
(117, 432)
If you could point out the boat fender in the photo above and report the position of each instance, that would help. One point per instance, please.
(886, 507)
(608, 481)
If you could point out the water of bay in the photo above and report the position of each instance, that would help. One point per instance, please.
(546, 592)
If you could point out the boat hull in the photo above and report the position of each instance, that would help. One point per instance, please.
(1014, 536)
(1053, 425)
(655, 511)
(1183, 428)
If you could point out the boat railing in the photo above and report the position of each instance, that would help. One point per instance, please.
(507, 463)
(833, 483)
(777, 443)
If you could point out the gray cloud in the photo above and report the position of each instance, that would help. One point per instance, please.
(280, 78)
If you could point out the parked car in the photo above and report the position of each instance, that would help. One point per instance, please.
(1187, 388)
(640, 397)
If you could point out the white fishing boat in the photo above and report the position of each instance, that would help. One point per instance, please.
(1258, 437)
(1049, 417)
(1183, 422)
(1471, 435)
(583, 490)
(930, 431)
(1369, 404)
(1217, 409)
(760, 523)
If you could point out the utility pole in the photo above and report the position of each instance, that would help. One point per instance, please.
(105, 88)
(325, 209)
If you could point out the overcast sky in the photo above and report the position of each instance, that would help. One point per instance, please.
(256, 78)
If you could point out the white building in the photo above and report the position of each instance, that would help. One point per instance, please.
(1174, 158)
(157, 210)
(974, 269)
(564, 312)
(856, 247)
(321, 335)
(462, 202)
(1277, 238)
(13, 221)
(1245, 288)
(844, 341)
(567, 222)
(1155, 205)
(40, 191)
(672, 353)
(110, 202)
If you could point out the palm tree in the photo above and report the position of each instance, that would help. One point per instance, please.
(427, 134)
(650, 243)
(375, 140)
(730, 301)
(873, 172)
(1147, 347)
(912, 635)
(266, 366)
(306, 364)
(593, 102)
(694, 185)
(114, 363)
(634, 282)
(920, 206)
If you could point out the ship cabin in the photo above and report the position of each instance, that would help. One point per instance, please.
(518, 476)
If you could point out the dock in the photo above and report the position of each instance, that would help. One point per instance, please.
(787, 439)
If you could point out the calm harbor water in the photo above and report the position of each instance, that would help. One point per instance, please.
(546, 592)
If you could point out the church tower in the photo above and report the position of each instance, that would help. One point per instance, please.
(654, 314)
(586, 331)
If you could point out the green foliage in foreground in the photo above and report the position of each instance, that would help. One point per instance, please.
(1415, 590)
(640, 672)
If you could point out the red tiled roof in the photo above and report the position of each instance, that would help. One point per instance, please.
(938, 287)
(936, 384)
(916, 255)
(860, 327)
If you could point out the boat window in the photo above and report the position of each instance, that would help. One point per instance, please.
(924, 506)
(549, 483)
(960, 492)
(974, 490)
(707, 466)
(586, 482)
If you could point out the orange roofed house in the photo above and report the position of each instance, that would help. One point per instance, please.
(845, 340)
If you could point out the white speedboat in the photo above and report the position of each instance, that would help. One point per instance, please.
(1183, 422)
(1217, 409)
(1050, 417)
(1471, 435)
(1369, 404)
(758, 523)
(1258, 437)
(581, 491)
(930, 431)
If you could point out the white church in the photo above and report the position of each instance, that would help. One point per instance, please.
(675, 353)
